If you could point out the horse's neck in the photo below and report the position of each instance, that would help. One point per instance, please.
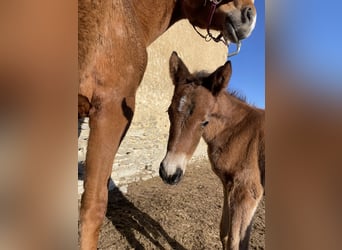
(154, 17)
(227, 114)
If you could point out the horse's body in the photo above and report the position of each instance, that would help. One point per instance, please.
(113, 36)
(234, 132)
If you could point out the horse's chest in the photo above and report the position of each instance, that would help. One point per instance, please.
(217, 159)
(223, 160)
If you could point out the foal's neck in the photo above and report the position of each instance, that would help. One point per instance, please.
(228, 112)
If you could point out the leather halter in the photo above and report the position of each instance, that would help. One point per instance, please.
(208, 37)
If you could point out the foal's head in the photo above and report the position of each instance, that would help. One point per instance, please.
(190, 111)
(234, 18)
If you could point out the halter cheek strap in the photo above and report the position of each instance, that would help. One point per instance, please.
(208, 37)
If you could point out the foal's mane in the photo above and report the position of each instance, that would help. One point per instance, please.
(237, 95)
(200, 74)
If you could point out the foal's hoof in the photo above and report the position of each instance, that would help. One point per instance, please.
(170, 179)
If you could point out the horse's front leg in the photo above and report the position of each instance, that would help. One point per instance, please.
(226, 219)
(110, 116)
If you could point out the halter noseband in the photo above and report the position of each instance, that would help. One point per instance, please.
(208, 37)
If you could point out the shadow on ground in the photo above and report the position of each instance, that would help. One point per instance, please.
(127, 218)
(153, 215)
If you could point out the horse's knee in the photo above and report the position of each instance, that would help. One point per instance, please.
(92, 211)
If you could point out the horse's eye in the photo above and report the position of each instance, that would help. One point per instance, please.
(205, 123)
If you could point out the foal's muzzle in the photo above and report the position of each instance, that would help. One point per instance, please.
(170, 179)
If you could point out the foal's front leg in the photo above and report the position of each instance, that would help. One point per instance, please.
(242, 204)
(110, 117)
(224, 225)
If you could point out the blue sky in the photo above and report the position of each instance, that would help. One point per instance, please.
(316, 51)
(249, 65)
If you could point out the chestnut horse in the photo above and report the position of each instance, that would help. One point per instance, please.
(234, 132)
(113, 37)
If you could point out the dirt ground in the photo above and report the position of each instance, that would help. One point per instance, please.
(153, 215)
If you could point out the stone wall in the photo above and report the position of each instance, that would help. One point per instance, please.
(144, 146)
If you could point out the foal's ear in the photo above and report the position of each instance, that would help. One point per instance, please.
(219, 79)
(178, 71)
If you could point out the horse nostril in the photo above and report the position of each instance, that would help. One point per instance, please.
(247, 14)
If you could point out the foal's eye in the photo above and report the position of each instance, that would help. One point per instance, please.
(205, 123)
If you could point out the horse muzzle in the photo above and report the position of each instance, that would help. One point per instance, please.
(171, 179)
(239, 24)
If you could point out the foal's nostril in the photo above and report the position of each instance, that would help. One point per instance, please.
(247, 14)
(175, 178)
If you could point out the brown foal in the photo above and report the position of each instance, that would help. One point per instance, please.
(234, 132)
